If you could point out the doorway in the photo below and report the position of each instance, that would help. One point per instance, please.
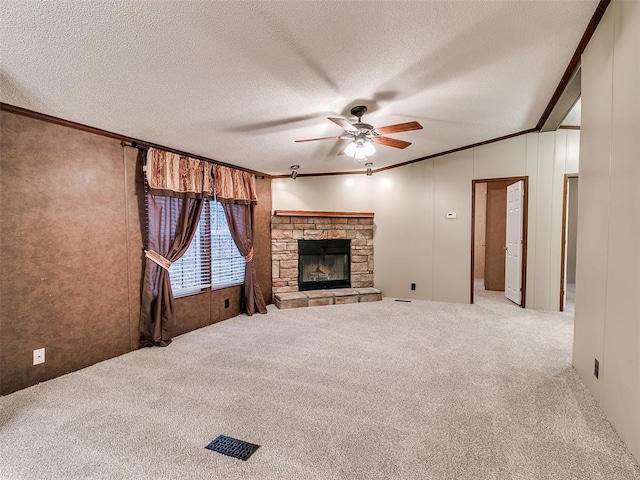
(489, 236)
(569, 242)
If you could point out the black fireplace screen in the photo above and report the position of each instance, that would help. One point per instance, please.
(324, 264)
(320, 268)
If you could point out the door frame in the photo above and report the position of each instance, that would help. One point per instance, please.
(563, 248)
(525, 223)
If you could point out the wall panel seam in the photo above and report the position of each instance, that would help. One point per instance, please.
(434, 230)
(538, 182)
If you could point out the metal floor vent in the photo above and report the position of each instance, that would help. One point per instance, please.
(232, 447)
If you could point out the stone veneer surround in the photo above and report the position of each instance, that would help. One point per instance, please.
(286, 230)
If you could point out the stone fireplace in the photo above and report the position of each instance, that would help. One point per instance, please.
(324, 264)
(355, 230)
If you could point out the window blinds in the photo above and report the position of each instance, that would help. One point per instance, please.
(212, 260)
(227, 265)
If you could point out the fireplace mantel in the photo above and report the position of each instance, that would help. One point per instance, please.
(304, 213)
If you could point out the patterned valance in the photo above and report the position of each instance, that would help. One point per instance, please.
(234, 186)
(176, 175)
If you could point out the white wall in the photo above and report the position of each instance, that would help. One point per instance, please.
(404, 211)
(414, 241)
(334, 193)
(607, 316)
(452, 193)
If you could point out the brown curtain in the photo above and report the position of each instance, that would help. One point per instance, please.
(240, 218)
(236, 191)
(180, 176)
(172, 223)
(176, 186)
(234, 186)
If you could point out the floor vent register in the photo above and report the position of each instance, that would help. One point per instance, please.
(232, 447)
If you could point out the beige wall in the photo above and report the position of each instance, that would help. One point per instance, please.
(414, 241)
(607, 325)
(404, 220)
(452, 193)
(329, 193)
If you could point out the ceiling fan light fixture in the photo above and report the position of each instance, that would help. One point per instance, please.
(351, 149)
(361, 134)
(360, 149)
(369, 149)
(360, 153)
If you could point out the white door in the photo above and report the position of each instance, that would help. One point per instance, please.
(513, 250)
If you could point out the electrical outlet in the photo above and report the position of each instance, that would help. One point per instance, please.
(226, 303)
(596, 368)
(38, 356)
(413, 286)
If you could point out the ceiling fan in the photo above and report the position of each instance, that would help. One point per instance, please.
(362, 135)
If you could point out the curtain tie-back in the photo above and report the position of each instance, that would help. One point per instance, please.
(249, 256)
(158, 259)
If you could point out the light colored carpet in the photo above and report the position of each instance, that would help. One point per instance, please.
(382, 390)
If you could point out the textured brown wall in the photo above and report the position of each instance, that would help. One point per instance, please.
(63, 256)
(262, 237)
(71, 252)
(480, 224)
(134, 188)
(496, 232)
(207, 308)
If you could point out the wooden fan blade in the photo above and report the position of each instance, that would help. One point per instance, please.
(341, 122)
(400, 127)
(314, 139)
(391, 142)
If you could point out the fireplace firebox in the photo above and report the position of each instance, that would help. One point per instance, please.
(324, 264)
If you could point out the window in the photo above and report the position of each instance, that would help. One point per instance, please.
(212, 260)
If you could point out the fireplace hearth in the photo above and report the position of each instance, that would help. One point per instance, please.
(324, 264)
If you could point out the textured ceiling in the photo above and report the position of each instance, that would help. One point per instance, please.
(239, 81)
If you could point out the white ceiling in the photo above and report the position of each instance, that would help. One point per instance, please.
(239, 81)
